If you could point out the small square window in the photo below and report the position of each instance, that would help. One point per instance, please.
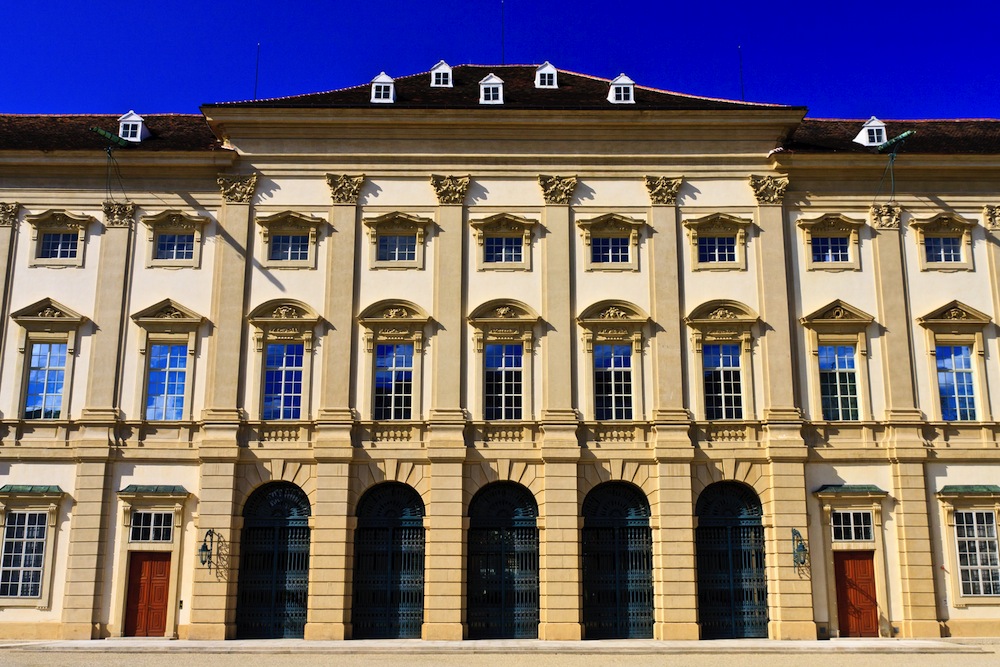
(397, 248)
(610, 250)
(58, 245)
(129, 130)
(503, 249)
(442, 79)
(830, 249)
(943, 248)
(623, 93)
(289, 248)
(876, 135)
(491, 93)
(174, 247)
(546, 80)
(152, 527)
(383, 91)
(851, 526)
(715, 249)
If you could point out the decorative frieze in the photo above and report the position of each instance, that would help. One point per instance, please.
(119, 214)
(450, 189)
(237, 189)
(769, 189)
(557, 189)
(663, 189)
(8, 214)
(345, 189)
(886, 216)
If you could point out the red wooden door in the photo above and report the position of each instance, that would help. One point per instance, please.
(146, 599)
(857, 608)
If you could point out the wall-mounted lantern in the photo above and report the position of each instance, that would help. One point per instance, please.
(800, 553)
(208, 551)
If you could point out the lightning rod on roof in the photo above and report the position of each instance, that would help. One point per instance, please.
(503, 59)
(256, 74)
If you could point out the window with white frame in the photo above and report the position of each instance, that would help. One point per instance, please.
(503, 338)
(622, 90)
(613, 341)
(393, 395)
(43, 395)
(611, 242)
(503, 381)
(955, 343)
(397, 248)
(504, 242)
(150, 526)
(976, 545)
(283, 366)
(612, 381)
(851, 525)
(832, 242)
(838, 382)
(945, 242)
(383, 89)
(129, 130)
(503, 250)
(47, 345)
(397, 241)
(716, 249)
(284, 341)
(545, 76)
(722, 381)
(718, 242)
(441, 75)
(722, 337)
(58, 238)
(174, 239)
(393, 365)
(169, 335)
(290, 240)
(956, 387)
(491, 90)
(28, 517)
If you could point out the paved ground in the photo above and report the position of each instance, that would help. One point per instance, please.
(509, 653)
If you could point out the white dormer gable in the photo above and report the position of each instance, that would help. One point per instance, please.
(383, 89)
(132, 127)
(441, 75)
(622, 90)
(491, 89)
(546, 76)
(872, 133)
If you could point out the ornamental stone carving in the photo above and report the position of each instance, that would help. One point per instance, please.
(237, 189)
(886, 216)
(723, 314)
(614, 313)
(450, 189)
(557, 189)
(51, 312)
(118, 214)
(505, 312)
(955, 314)
(769, 189)
(8, 214)
(345, 189)
(663, 190)
(169, 313)
(991, 216)
(286, 313)
(396, 313)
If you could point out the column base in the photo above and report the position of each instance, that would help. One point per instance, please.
(915, 629)
(326, 631)
(565, 632)
(679, 631)
(442, 632)
(791, 630)
(207, 631)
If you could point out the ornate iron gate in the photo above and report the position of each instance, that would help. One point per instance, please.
(503, 563)
(617, 554)
(732, 582)
(389, 564)
(273, 588)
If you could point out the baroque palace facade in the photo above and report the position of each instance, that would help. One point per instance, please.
(498, 352)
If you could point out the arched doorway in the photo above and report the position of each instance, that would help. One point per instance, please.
(273, 588)
(503, 563)
(389, 564)
(732, 582)
(617, 554)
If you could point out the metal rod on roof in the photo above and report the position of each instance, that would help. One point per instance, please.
(503, 57)
(256, 74)
(739, 49)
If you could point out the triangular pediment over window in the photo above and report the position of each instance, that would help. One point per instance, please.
(838, 314)
(955, 316)
(167, 316)
(48, 315)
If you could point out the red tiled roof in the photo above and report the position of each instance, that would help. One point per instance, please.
(169, 132)
(815, 135)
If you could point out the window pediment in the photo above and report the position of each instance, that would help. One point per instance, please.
(612, 321)
(831, 223)
(722, 320)
(291, 221)
(943, 223)
(397, 223)
(168, 316)
(48, 315)
(837, 316)
(394, 320)
(174, 220)
(284, 319)
(718, 224)
(505, 224)
(503, 320)
(611, 224)
(58, 218)
(955, 317)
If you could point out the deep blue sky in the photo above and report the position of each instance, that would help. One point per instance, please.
(844, 59)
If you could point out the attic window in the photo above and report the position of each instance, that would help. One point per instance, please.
(545, 76)
(872, 133)
(876, 135)
(622, 90)
(383, 89)
(132, 127)
(129, 131)
(491, 90)
(441, 75)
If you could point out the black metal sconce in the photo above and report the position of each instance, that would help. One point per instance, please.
(207, 550)
(800, 553)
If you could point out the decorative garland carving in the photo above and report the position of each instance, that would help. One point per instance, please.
(886, 216)
(170, 313)
(505, 312)
(345, 189)
(723, 314)
(769, 189)
(663, 189)
(396, 314)
(450, 189)
(286, 313)
(51, 312)
(614, 313)
(557, 189)
(8, 214)
(991, 216)
(237, 189)
(118, 215)
(955, 314)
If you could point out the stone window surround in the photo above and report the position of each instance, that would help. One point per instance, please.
(833, 225)
(721, 322)
(958, 324)
(58, 221)
(719, 225)
(173, 222)
(289, 222)
(611, 225)
(397, 223)
(167, 322)
(504, 321)
(949, 502)
(47, 501)
(838, 323)
(504, 225)
(282, 321)
(614, 322)
(391, 322)
(944, 225)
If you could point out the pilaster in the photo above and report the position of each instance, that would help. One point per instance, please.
(8, 232)
(675, 574)
(330, 551)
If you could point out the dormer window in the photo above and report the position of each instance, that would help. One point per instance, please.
(491, 90)
(383, 89)
(622, 90)
(545, 76)
(872, 133)
(132, 127)
(441, 75)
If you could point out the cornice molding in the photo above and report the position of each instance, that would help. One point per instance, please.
(344, 188)
(237, 189)
(663, 189)
(450, 190)
(557, 189)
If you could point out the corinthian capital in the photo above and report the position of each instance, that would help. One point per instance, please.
(8, 214)
(769, 189)
(663, 190)
(991, 216)
(886, 216)
(557, 189)
(450, 189)
(237, 189)
(345, 189)
(118, 215)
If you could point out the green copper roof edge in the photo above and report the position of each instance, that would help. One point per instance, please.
(30, 488)
(850, 488)
(154, 490)
(965, 489)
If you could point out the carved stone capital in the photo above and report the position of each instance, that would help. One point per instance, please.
(8, 214)
(663, 190)
(769, 189)
(557, 189)
(118, 215)
(237, 189)
(450, 189)
(345, 189)
(991, 216)
(886, 216)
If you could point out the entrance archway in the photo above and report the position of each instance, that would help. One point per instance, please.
(617, 554)
(732, 582)
(389, 564)
(273, 588)
(502, 579)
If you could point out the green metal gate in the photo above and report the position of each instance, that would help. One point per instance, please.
(389, 564)
(503, 563)
(732, 582)
(617, 554)
(273, 586)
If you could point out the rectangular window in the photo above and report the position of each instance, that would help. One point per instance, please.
(491, 93)
(852, 526)
(978, 566)
(613, 381)
(393, 381)
(714, 249)
(283, 381)
(838, 383)
(503, 249)
(623, 94)
(395, 248)
(58, 245)
(442, 79)
(943, 248)
(547, 79)
(23, 558)
(383, 91)
(152, 527)
(875, 135)
(174, 246)
(289, 248)
(723, 381)
(166, 378)
(830, 249)
(609, 250)
(130, 130)
(503, 376)
(46, 377)
(955, 382)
